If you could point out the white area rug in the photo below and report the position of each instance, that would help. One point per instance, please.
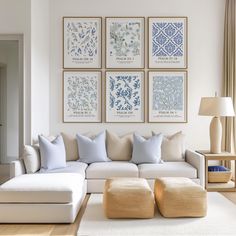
(220, 220)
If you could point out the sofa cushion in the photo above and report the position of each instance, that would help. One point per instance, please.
(107, 170)
(119, 148)
(71, 147)
(53, 154)
(42, 188)
(92, 149)
(167, 169)
(173, 147)
(71, 167)
(147, 150)
(31, 157)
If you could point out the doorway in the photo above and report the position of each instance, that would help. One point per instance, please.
(11, 99)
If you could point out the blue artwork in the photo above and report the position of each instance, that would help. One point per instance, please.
(125, 39)
(83, 39)
(81, 96)
(125, 92)
(168, 93)
(167, 39)
(81, 42)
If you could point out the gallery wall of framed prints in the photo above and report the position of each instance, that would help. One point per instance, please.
(115, 76)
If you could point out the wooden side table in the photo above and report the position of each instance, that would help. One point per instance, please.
(224, 156)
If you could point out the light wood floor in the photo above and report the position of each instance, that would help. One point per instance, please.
(62, 229)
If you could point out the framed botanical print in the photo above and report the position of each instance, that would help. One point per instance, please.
(82, 96)
(125, 42)
(167, 96)
(125, 96)
(82, 42)
(167, 39)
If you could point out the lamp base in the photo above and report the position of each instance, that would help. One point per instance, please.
(215, 135)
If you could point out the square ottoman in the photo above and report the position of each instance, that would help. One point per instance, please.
(128, 198)
(180, 197)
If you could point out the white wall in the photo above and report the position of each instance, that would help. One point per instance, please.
(9, 57)
(205, 53)
(39, 67)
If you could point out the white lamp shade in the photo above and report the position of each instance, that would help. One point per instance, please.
(216, 106)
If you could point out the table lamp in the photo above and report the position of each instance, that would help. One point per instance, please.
(216, 107)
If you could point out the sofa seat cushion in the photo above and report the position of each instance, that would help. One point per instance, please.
(42, 188)
(71, 167)
(167, 169)
(105, 170)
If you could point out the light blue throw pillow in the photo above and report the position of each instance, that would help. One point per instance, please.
(53, 154)
(147, 150)
(92, 150)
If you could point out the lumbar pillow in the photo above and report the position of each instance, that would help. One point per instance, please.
(31, 157)
(71, 147)
(53, 154)
(119, 148)
(173, 147)
(92, 150)
(147, 150)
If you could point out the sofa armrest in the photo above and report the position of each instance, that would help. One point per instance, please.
(17, 168)
(197, 160)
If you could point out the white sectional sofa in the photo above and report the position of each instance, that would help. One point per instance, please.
(56, 196)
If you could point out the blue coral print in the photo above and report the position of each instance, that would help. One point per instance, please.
(167, 39)
(125, 92)
(125, 39)
(167, 93)
(82, 39)
(82, 95)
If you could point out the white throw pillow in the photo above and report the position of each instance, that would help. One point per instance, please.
(147, 150)
(53, 154)
(92, 150)
(173, 147)
(31, 157)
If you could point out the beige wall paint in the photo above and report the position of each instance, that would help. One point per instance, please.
(205, 53)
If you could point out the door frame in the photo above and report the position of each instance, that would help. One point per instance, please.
(20, 39)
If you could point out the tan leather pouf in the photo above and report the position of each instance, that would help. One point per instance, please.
(180, 197)
(128, 198)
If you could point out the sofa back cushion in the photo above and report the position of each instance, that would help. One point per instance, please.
(31, 157)
(92, 150)
(147, 150)
(71, 147)
(173, 147)
(119, 148)
(53, 154)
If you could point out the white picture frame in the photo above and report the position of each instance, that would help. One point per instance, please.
(125, 42)
(125, 96)
(82, 96)
(167, 40)
(82, 42)
(167, 96)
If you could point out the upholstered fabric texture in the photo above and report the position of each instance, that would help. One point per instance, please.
(42, 188)
(128, 198)
(53, 154)
(31, 157)
(92, 150)
(71, 147)
(147, 150)
(119, 148)
(111, 169)
(173, 147)
(180, 197)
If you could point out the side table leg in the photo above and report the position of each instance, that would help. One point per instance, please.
(235, 173)
(206, 173)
